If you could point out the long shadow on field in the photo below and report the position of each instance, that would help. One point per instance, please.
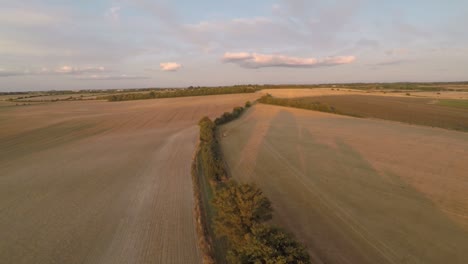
(343, 209)
(44, 138)
(248, 142)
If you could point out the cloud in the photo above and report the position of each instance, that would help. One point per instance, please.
(24, 17)
(112, 77)
(391, 62)
(170, 66)
(113, 13)
(256, 60)
(63, 70)
(76, 70)
(395, 52)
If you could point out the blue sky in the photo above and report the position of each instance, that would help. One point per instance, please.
(55, 44)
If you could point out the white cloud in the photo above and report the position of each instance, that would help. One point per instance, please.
(256, 60)
(77, 70)
(113, 13)
(239, 56)
(63, 70)
(111, 77)
(170, 66)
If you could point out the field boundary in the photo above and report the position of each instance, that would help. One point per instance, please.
(204, 239)
(229, 231)
(413, 111)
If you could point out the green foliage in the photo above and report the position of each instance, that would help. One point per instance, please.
(303, 103)
(209, 150)
(242, 213)
(248, 104)
(270, 245)
(453, 103)
(207, 128)
(180, 93)
(227, 117)
(242, 210)
(239, 207)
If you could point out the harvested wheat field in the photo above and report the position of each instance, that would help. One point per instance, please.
(411, 110)
(356, 190)
(100, 182)
(293, 93)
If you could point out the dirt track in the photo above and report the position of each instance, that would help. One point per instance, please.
(357, 190)
(99, 182)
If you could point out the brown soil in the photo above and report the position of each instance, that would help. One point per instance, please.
(100, 182)
(403, 109)
(357, 190)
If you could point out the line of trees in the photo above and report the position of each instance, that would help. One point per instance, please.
(229, 116)
(304, 103)
(242, 211)
(182, 92)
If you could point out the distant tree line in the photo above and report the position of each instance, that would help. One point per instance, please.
(182, 92)
(242, 211)
(304, 103)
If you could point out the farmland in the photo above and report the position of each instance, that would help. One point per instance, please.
(450, 114)
(100, 182)
(356, 190)
(91, 181)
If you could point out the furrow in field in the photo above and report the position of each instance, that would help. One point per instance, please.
(356, 190)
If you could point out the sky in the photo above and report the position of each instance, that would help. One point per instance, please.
(91, 44)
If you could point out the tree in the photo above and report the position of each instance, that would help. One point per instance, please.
(239, 207)
(270, 245)
(206, 129)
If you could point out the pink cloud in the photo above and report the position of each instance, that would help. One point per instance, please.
(256, 60)
(170, 66)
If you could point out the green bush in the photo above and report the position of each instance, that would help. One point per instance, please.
(269, 244)
(242, 210)
(209, 150)
(227, 117)
(242, 213)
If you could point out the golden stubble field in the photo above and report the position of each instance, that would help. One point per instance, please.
(293, 93)
(357, 190)
(100, 182)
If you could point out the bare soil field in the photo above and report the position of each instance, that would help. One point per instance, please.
(421, 111)
(356, 190)
(292, 93)
(100, 182)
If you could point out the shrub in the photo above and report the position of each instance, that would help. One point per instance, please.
(209, 150)
(242, 210)
(242, 213)
(227, 117)
(269, 244)
(239, 207)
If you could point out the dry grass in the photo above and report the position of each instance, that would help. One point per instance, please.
(357, 190)
(98, 182)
